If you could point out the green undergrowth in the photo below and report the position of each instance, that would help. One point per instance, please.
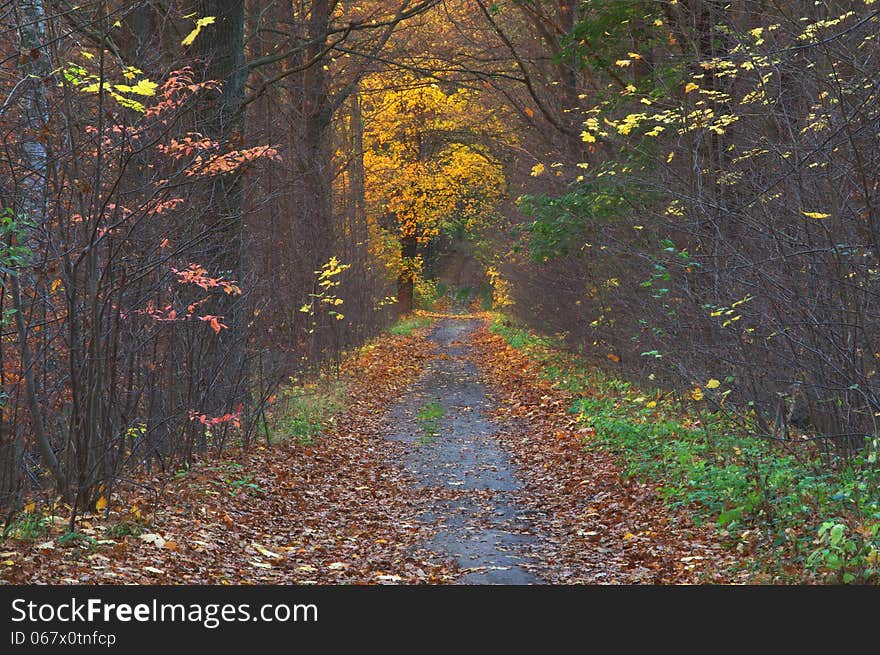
(305, 409)
(27, 526)
(309, 406)
(406, 325)
(428, 419)
(792, 515)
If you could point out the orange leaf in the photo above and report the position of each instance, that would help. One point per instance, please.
(614, 358)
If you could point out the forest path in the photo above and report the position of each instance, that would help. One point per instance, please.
(455, 460)
(443, 421)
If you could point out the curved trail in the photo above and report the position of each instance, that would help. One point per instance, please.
(481, 527)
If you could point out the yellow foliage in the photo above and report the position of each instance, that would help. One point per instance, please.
(200, 23)
(501, 296)
(425, 169)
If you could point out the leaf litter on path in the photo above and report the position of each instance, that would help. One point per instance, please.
(337, 511)
(343, 510)
(596, 526)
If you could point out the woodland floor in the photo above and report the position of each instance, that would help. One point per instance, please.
(454, 462)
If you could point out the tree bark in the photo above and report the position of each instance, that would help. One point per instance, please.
(221, 118)
(30, 202)
(310, 140)
(405, 282)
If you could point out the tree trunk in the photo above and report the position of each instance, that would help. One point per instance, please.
(405, 281)
(311, 148)
(30, 203)
(221, 44)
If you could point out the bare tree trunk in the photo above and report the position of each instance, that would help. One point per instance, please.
(221, 119)
(310, 141)
(30, 201)
(405, 281)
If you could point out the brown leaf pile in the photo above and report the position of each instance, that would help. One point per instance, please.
(337, 511)
(596, 527)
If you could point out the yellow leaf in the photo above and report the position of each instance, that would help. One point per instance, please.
(145, 88)
(629, 535)
(623, 63)
(690, 86)
(651, 404)
(697, 394)
(265, 551)
(200, 23)
(816, 215)
(587, 137)
(538, 169)
(713, 384)
(30, 507)
(101, 504)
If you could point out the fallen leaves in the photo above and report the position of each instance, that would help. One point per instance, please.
(265, 552)
(342, 510)
(152, 538)
(343, 513)
(597, 527)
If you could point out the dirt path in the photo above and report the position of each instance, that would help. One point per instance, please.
(454, 462)
(443, 422)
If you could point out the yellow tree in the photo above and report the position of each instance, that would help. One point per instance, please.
(427, 170)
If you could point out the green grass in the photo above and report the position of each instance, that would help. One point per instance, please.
(307, 410)
(485, 295)
(247, 485)
(428, 419)
(463, 294)
(794, 514)
(27, 526)
(406, 325)
(124, 528)
(73, 538)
